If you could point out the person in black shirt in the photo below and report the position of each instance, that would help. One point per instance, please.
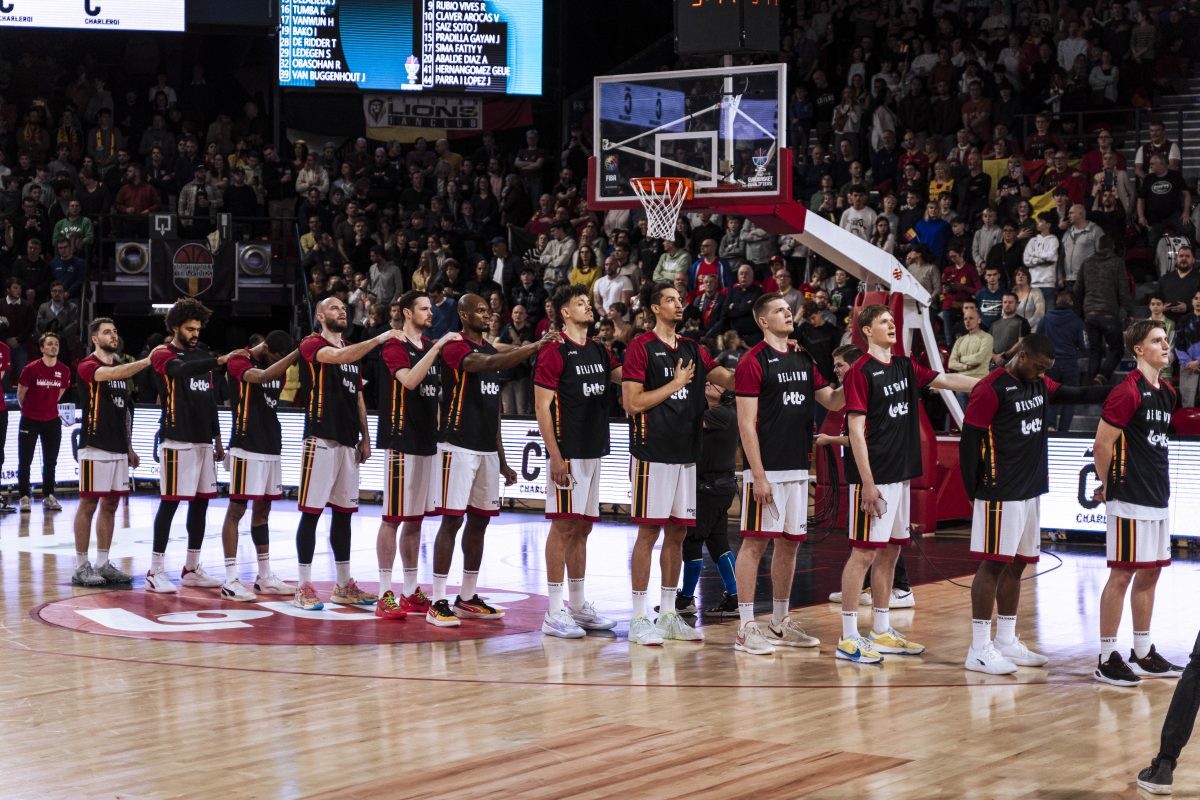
(1163, 202)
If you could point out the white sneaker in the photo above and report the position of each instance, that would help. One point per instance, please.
(587, 618)
(50, 504)
(671, 626)
(1019, 654)
(199, 578)
(790, 634)
(864, 599)
(988, 659)
(750, 640)
(25, 504)
(561, 624)
(272, 584)
(159, 582)
(902, 598)
(236, 590)
(642, 631)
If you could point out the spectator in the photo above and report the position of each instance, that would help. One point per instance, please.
(674, 261)
(990, 297)
(445, 312)
(1078, 243)
(986, 237)
(386, 282)
(1187, 353)
(1157, 307)
(972, 352)
(1008, 330)
(1041, 260)
(1178, 286)
(760, 246)
(32, 269)
(882, 236)
(17, 319)
(1031, 302)
(58, 315)
(708, 306)
(1158, 145)
(104, 141)
(515, 395)
(1066, 330)
(505, 267)
(960, 282)
(137, 198)
(738, 314)
(613, 287)
(710, 264)
(530, 164)
(1110, 177)
(1111, 215)
(587, 270)
(732, 249)
(818, 337)
(732, 349)
(859, 218)
(933, 231)
(529, 293)
(557, 257)
(1102, 293)
(783, 285)
(1164, 202)
(68, 269)
(75, 228)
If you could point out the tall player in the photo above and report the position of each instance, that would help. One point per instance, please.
(408, 432)
(663, 394)
(256, 475)
(336, 441)
(105, 452)
(471, 457)
(776, 387)
(1131, 464)
(190, 441)
(571, 402)
(1002, 455)
(882, 416)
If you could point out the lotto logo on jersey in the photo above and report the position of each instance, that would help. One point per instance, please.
(682, 394)
(118, 402)
(898, 410)
(351, 386)
(270, 401)
(793, 398)
(427, 391)
(1029, 426)
(593, 389)
(1158, 440)
(199, 385)
(489, 387)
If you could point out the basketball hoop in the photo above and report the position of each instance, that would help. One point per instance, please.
(663, 199)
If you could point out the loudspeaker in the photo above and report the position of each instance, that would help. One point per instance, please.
(133, 257)
(254, 259)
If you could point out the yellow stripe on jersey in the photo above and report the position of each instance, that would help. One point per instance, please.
(306, 465)
(446, 455)
(992, 524)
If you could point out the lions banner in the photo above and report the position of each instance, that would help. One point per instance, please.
(182, 268)
(404, 117)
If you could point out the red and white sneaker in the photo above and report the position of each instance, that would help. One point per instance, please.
(199, 578)
(388, 608)
(416, 603)
(159, 582)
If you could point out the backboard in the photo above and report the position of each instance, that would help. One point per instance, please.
(723, 127)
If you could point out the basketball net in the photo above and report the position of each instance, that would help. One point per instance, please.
(663, 199)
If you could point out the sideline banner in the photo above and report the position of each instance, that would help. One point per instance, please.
(403, 117)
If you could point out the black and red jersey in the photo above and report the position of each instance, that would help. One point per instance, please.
(331, 411)
(106, 409)
(888, 395)
(470, 400)
(188, 391)
(255, 419)
(1011, 415)
(1139, 470)
(669, 433)
(408, 418)
(578, 374)
(785, 383)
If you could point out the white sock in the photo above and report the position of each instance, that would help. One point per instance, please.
(343, 572)
(410, 580)
(577, 599)
(981, 632)
(668, 600)
(101, 558)
(305, 573)
(746, 614)
(1006, 629)
(1108, 645)
(881, 621)
(80, 559)
(469, 582)
(779, 611)
(230, 570)
(556, 596)
(264, 565)
(158, 562)
(439, 587)
(1141, 643)
(639, 604)
(193, 560)
(849, 624)
(385, 581)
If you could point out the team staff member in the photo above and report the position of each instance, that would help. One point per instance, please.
(256, 475)
(39, 389)
(408, 432)
(776, 387)
(663, 394)
(5, 366)
(882, 414)
(336, 441)
(190, 441)
(1132, 466)
(571, 397)
(471, 456)
(1176, 730)
(105, 452)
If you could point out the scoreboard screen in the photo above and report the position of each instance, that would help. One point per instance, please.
(485, 46)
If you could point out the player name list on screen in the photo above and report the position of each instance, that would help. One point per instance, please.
(465, 44)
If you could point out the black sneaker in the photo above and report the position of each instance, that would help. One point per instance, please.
(1115, 671)
(1153, 665)
(685, 603)
(728, 607)
(1157, 778)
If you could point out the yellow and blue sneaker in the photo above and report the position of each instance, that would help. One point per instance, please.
(891, 642)
(858, 649)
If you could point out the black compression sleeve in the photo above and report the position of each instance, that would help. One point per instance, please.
(968, 458)
(1085, 395)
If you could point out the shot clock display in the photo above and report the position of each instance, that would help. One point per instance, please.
(726, 26)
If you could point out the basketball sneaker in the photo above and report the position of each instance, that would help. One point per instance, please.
(1158, 777)
(111, 574)
(988, 659)
(857, 649)
(750, 640)
(306, 598)
(272, 584)
(159, 583)
(561, 624)
(672, 626)
(892, 642)
(351, 595)
(439, 614)
(199, 578)
(727, 607)
(236, 590)
(416, 603)
(642, 631)
(789, 634)
(25, 504)
(902, 598)
(586, 617)
(1016, 652)
(49, 503)
(86, 575)
(1115, 671)
(388, 608)
(1153, 665)
(864, 599)
(475, 608)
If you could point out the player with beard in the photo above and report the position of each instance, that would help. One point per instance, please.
(256, 475)
(190, 441)
(105, 452)
(408, 425)
(471, 456)
(663, 394)
(571, 403)
(336, 441)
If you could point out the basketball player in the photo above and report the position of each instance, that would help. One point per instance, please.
(663, 394)
(408, 426)
(336, 441)
(571, 403)
(1131, 464)
(882, 417)
(190, 441)
(775, 386)
(1002, 455)
(471, 456)
(105, 453)
(256, 475)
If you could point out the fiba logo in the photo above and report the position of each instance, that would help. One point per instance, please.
(611, 164)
